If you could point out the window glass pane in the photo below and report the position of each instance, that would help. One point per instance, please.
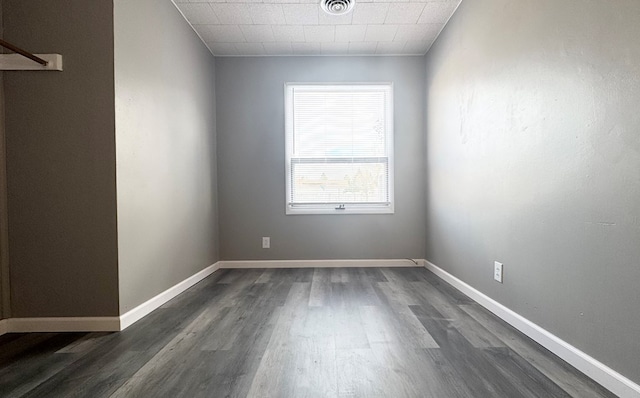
(339, 182)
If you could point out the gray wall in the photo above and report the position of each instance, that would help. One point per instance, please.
(534, 160)
(166, 163)
(251, 153)
(61, 161)
(4, 265)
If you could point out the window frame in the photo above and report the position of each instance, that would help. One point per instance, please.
(331, 208)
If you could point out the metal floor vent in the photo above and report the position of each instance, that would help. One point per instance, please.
(337, 7)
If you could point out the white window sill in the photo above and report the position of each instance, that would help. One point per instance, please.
(331, 211)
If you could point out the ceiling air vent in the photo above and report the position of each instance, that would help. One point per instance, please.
(337, 7)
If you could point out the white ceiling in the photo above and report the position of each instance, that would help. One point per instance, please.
(300, 27)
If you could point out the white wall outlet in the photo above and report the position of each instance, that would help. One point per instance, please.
(497, 271)
(266, 242)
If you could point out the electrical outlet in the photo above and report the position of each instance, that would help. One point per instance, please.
(497, 271)
(266, 242)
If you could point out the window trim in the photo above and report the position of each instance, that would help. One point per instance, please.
(330, 208)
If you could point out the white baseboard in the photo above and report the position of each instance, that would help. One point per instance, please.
(144, 309)
(601, 373)
(101, 324)
(63, 324)
(404, 262)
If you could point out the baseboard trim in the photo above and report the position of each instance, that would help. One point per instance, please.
(63, 324)
(4, 326)
(601, 373)
(404, 262)
(144, 309)
(102, 324)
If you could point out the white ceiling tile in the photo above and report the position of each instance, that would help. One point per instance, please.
(404, 13)
(416, 47)
(431, 38)
(232, 14)
(380, 32)
(277, 48)
(290, 33)
(319, 33)
(198, 13)
(327, 19)
(420, 32)
(363, 47)
(250, 49)
(433, 29)
(350, 32)
(369, 13)
(223, 34)
(390, 47)
(306, 48)
(437, 12)
(301, 14)
(334, 48)
(282, 27)
(223, 48)
(257, 33)
(202, 30)
(267, 14)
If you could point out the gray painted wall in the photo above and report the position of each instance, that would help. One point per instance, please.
(61, 161)
(4, 299)
(4, 265)
(534, 160)
(251, 153)
(166, 153)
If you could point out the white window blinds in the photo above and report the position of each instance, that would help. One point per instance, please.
(339, 148)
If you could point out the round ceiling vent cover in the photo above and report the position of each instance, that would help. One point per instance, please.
(337, 7)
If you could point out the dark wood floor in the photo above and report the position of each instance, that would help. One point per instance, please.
(343, 332)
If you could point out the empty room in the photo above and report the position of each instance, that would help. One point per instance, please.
(320, 198)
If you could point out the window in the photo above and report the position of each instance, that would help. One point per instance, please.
(339, 148)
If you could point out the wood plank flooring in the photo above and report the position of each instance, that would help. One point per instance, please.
(339, 332)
